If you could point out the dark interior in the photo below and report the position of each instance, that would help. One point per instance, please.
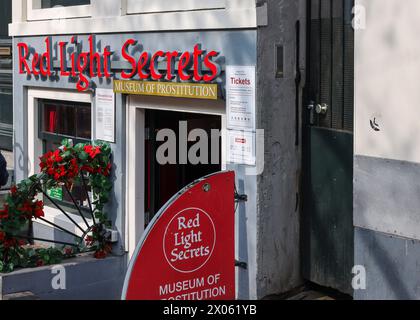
(164, 181)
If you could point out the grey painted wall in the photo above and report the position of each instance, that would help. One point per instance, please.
(85, 278)
(387, 196)
(278, 187)
(392, 266)
(387, 160)
(386, 216)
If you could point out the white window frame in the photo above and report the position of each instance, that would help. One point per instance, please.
(35, 12)
(155, 6)
(35, 149)
(135, 164)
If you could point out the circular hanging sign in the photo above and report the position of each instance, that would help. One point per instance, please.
(189, 240)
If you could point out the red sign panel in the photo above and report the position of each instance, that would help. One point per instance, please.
(187, 253)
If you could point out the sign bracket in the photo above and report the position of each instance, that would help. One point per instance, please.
(241, 264)
(241, 197)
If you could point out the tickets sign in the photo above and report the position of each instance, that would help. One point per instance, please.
(187, 253)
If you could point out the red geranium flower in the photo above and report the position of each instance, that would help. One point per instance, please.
(2, 236)
(9, 243)
(26, 207)
(92, 151)
(39, 263)
(100, 254)
(89, 240)
(13, 190)
(87, 169)
(4, 214)
(107, 170)
(39, 209)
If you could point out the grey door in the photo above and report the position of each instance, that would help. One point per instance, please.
(327, 233)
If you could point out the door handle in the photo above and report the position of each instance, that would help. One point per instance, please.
(321, 108)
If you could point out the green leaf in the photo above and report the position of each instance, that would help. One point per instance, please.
(83, 156)
(10, 267)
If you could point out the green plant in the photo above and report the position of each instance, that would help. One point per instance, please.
(88, 164)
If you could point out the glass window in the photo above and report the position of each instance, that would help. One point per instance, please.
(60, 120)
(66, 120)
(45, 4)
(58, 9)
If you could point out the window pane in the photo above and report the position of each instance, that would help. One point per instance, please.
(84, 121)
(5, 18)
(50, 118)
(59, 119)
(45, 4)
(67, 119)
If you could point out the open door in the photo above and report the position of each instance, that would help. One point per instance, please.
(327, 222)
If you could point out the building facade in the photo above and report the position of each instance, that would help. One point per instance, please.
(48, 108)
(334, 183)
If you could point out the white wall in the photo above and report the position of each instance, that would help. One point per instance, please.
(104, 16)
(387, 85)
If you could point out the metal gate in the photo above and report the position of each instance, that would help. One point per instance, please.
(327, 236)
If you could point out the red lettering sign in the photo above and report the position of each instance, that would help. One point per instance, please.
(188, 251)
(92, 63)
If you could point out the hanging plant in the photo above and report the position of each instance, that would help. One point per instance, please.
(85, 164)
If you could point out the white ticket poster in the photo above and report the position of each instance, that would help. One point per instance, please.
(105, 115)
(241, 146)
(240, 97)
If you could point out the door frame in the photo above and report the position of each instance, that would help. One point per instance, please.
(135, 164)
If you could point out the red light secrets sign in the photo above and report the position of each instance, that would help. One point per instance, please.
(188, 251)
(85, 65)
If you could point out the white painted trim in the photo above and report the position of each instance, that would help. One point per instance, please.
(19, 10)
(168, 21)
(135, 152)
(147, 6)
(123, 10)
(135, 182)
(34, 11)
(35, 147)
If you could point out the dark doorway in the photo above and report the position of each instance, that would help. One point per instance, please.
(327, 221)
(162, 181)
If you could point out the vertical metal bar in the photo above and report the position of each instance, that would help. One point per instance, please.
(348, 82)
(297, 84)
(326, 61)
(77, 207)
(337, 95)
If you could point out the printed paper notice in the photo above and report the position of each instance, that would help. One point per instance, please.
(240, 97)
(105, 115)
(241, 147)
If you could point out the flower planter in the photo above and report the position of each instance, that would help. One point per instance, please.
(86, 278)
